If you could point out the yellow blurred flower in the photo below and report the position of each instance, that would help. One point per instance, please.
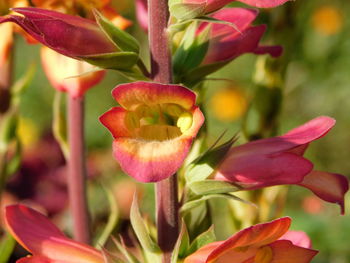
(27, 132)
(228, 104)
(328, 20)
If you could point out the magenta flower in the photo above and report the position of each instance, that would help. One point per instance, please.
(279, 160)
(228, 42)
(69, 35)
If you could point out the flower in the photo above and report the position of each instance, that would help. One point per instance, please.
(227, 42)
(186, 9)
(279, 160)
(69, 75)
(154, 128)
(55, 30)
(44, 240)
(262, 243)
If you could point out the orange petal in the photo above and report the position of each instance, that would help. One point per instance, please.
(114, 121)
(42, 238)
(327, 186)
(284, 251)
(253, 237)
(69, 75)
(202, 254)
(131, 95)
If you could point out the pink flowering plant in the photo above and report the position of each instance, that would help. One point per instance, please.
(159, 134)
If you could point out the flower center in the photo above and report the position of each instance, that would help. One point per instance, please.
(158, 122)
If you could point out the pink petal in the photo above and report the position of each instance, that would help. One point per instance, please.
(327, 186)
(304, 134)
(263, 3)
(273, 51)
(114, 121)
(34, 259)
(298, 238)
(260, 170)
(131, 95)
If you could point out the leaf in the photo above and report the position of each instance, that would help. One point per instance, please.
(183, 11)
(122, 248)
(202, 240)
(8, 130)
(182, 244)
(7, 244)
(187, 207)
(59, 124)
(115, 60)
(140, 228)
(121, 38)
(14, 163)
(112, 219)
(21, 84)
(212, 187)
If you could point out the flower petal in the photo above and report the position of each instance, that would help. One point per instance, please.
(142, 14)
(260, 170)
(114, 121)
(286, 252)
(297, 137)
(327, 186)
(69, 75)
(56, 30)
(201, 255)
(253, 237)
(273, 51)
(298, 238)
(34, 259)
(131, 95)
(42, 238)
(263, 3)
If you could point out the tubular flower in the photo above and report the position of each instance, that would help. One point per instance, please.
(228, 42)
(55, 30)
(279, 160)
(187, 9)
(263, 243)
(44, 240)
(154, 128)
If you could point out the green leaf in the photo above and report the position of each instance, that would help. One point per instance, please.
(8, 130)
(7, 244)
(182, 244)
(140, 228)
(14, 163)
(112, 219)
(21, 84)
(121, 38)
(212, 187)
(122, 248)
(59, 124)
(191, 50)
(187, 207)
(115, 60)
(202, 240)
(183, 11)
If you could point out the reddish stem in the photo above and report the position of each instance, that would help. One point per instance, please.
(161, 71)
(77, 170)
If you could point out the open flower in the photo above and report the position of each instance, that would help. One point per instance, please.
(262, 243)
(154, 128)
(279, 160)
(44, 240)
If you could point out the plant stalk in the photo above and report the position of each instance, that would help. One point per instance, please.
(161, 71)
(77, 173)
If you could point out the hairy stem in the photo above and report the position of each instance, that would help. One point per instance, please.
(77, 170)
(161, 71)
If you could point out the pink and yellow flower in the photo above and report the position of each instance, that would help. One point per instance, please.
(44, 240)
(153, 129)
(263, 243)
(279, 160)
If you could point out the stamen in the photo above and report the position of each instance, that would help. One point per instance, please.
(184, 122)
